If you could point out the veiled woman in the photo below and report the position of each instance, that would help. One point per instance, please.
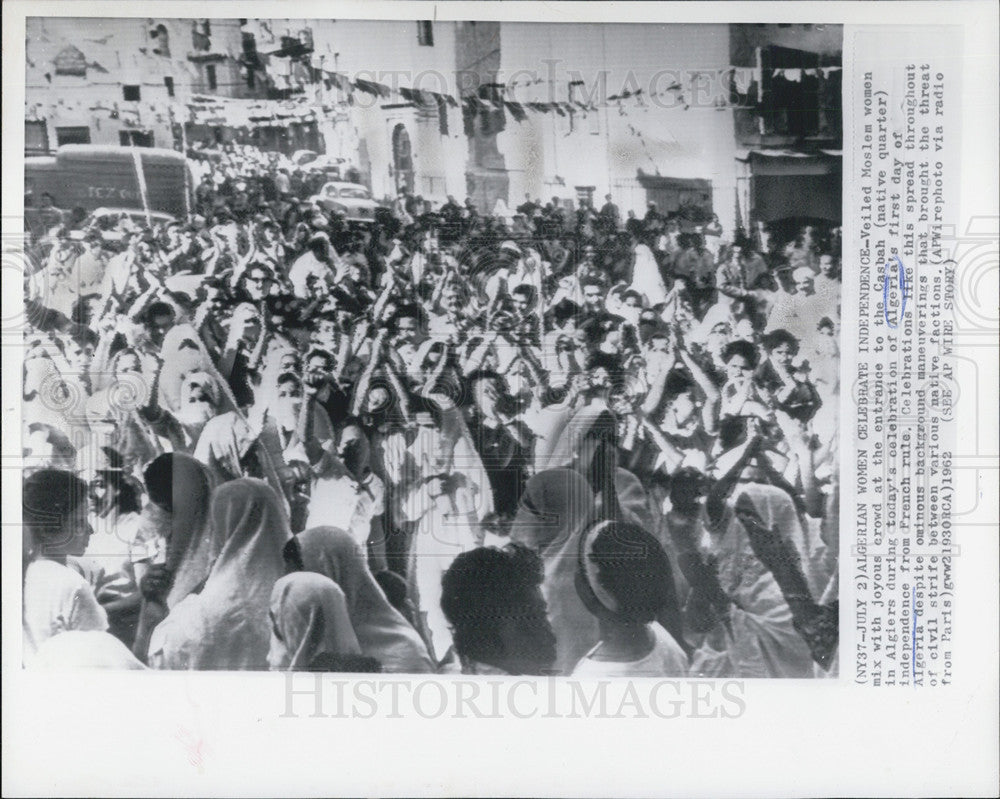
(226, 625)
(557, 506)
(382, 631)
(309, 619)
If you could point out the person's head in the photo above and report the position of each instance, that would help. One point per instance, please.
(326, 327)
(632, 299)
(623, 574)
(199, 398)
(564, 315)
(523, 298)
(604, 374)
(740, 358)
(489, 390)
(86, 309)
(781, 346)
(257, 282)
(593, 294)
(54, 512)
(827, 265)
(288, 401)
(825, 326)
(319, 245)
(318, 366)
(160, 318)
(688, 486)
(406, 326)
(451, 298)
(492, 599)
(79, 353)
(803, 279)
(110, 489)
(126, 362)
(679, 396)
(289, 362)
(353, 449)
(610, 334)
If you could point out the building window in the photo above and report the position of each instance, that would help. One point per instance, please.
(36, 137)
(169, 83)
(201, 36)
(425, 33)
(131, 93)
(73, 135)
(70, 61)
(210, 76)
(442, 105)
(135, 138)
(797, 97)
(161, 40)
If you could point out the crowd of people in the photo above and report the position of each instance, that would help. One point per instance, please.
(557, 441)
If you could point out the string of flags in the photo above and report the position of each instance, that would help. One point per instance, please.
(304, 106)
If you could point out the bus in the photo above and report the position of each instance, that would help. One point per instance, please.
(91, 176)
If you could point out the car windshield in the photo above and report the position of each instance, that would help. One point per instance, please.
(354, 192)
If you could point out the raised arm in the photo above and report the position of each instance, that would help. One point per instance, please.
(674, 457)
(361, 387)
(817, 624)
(713, 398)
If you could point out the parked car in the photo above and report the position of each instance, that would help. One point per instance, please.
(109, 217)
(352, 200)
(331, 167)
(106, 220)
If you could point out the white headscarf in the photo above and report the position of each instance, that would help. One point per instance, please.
(226, 626)
(308, 618)
(382, 631)
(646, 278)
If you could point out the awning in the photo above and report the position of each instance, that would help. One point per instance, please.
(791, 162)
(787, 184)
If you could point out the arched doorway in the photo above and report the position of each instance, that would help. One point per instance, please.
(402, 159)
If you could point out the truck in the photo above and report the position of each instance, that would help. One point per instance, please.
(94, 176)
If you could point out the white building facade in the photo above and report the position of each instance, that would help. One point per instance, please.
(667, 138)
(119, 81)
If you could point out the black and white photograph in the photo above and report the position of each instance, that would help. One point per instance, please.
(432, 347)
(435, 398)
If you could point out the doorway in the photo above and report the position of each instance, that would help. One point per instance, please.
(402, 159)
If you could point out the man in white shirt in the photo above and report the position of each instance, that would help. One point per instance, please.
(313, 265)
